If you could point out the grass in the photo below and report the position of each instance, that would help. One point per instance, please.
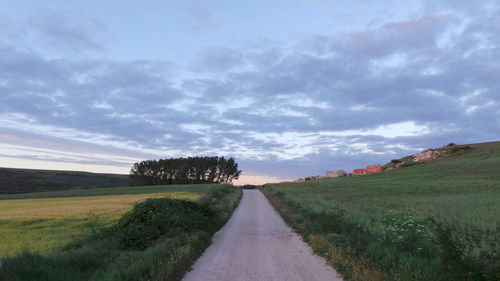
(196, 188)
(44, 222)
(47, 224)
(436, 220)
(158, 239)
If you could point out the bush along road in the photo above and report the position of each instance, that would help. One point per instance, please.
(159, 239)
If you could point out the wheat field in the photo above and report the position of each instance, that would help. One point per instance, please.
(44, 225)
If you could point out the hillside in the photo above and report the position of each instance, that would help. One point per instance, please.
(438, 217)
(434, 154)
(26, 180)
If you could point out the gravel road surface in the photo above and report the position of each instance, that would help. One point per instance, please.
(256, 245)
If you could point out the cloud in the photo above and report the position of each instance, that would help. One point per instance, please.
(203, 17)
(284, 110)
(215, 59)
(469, 8)
(401, 36)
(68, 31)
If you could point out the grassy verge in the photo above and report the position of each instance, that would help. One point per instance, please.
(432, 221)
(158, 240)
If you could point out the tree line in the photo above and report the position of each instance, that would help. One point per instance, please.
(188, 170)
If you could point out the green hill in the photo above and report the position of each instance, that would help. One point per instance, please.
(26, 180)
(426, 220)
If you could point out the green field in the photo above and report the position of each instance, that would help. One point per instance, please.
(124, 235)
(196, 188)
(430, 221)
(47, 221)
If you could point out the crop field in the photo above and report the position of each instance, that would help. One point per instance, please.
(435, 220)
(122, 236)
(47, 221)
(200, 188)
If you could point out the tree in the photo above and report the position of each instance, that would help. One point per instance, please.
(212, 169)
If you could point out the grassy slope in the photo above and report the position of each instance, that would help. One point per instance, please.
(27, 180)
(46, 221)
(461, 193)
(158, 240)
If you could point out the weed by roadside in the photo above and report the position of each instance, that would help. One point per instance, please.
(399, 246)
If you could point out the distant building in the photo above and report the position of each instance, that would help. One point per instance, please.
(370, 169)
(336, 174)
(359, 171)
(312, 178)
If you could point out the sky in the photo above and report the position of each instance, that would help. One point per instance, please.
(288, 88)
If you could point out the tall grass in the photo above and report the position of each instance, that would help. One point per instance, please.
(158, 240)
(433, 221)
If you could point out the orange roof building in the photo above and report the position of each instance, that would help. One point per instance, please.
(359, 171)
(370, 169)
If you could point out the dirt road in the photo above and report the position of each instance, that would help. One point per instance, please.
(256, 245)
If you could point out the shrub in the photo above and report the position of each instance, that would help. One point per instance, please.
(157, 217)
(459, 148)
(158, 240)
(407, 232)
